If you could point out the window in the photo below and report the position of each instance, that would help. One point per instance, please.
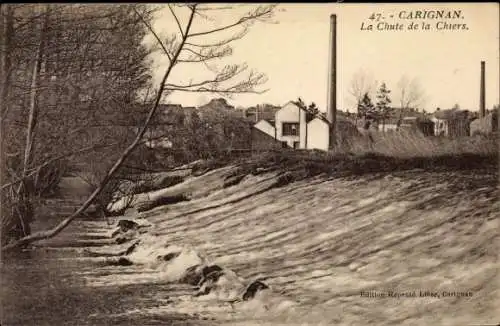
(290, 129)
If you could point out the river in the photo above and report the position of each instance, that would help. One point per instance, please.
(47, 287)
(317, 243)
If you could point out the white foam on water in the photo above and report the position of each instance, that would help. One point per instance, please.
(151, 248)
(244, 256)
(173, 271)
(228, 287)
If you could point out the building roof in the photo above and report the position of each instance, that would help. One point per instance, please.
(341, 117)
(262, 111)
(271, 122)
(451, 114)
(408, 113)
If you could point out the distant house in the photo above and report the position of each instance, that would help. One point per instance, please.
(318, 133)
(440, 126)
(261, 112)
(398, 118)
(485, 125)
(389, 124)
(290, 123)
(451, 123)
(264, 136)
(419, 123)
(294, 126)
(266, 126)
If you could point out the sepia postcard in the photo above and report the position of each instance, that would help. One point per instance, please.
(249, 164)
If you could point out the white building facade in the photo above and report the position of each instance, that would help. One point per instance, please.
(292, 129)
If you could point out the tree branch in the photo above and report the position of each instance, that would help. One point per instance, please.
(214, 85)
(233, 38)
(150, 28)
(258, 13)
(212, 53)
(176, 20)
(217, 91)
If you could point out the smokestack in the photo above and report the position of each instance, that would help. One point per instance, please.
(332, 80)
(482, 104)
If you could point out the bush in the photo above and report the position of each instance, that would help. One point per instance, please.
(17, 214)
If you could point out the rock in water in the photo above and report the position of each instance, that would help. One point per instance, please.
(210, 269)
(197, 275)
(233, 181)
(122, 261)
(131, 248)
(169, 256)
(167, 200)
(284, 179)
(126, 237)
(207, 283)
(193, 275)
(126, 225)
(115, 232)
(211, 278)
(253, 288)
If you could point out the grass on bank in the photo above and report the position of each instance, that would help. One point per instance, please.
(407, 143)
(392, 151)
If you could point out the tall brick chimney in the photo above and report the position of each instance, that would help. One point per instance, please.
(331, 112)
(482, 94)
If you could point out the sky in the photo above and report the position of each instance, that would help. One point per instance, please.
(293, 53)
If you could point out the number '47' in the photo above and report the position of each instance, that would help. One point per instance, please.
(375, 17)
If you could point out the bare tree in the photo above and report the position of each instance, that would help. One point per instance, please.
(362, 83)
(411, 94)
(198, 40)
